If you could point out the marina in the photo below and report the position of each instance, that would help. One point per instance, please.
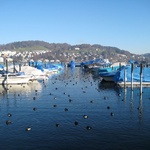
(74, 110)
(75, 75)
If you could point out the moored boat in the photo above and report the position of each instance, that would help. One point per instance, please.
(103, 71)
(108, 76)
(127, 75)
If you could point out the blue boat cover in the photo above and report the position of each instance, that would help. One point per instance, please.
(119, 77)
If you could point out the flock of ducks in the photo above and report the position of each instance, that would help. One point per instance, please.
(66, 83)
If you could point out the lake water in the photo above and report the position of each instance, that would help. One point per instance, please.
(74, 111)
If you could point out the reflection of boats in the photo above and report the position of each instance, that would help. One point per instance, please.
(21, 87)
(104, 84)
(109, 86)
(14, 79)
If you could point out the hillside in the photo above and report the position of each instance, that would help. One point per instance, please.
(84, 49)
(41, 45)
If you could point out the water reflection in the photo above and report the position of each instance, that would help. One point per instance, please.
(131, 100)
(125, 94)
(109, 86)
(140, 108)
(134, 95)
(28, 88)
(41, 115)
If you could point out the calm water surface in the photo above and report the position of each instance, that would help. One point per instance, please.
(118, 119)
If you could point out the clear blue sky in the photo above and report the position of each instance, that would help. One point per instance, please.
(120, 23)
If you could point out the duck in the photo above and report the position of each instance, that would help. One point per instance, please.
(76, 123)
(85, 116)
(88, 127)
(57, 124)
(9, 114)
(28, 128)
(8, 122)
(112, 114)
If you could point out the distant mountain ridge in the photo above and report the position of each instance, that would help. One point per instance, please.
(56, 46)
(106, 51)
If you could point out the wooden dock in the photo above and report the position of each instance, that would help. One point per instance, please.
(135, 84)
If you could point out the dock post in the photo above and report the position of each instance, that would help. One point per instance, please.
(124, 77)
(14, 67)
(119, 65)
(132, 76)
(19, 67)
(6, 66)
(141, 69)
(6, 71)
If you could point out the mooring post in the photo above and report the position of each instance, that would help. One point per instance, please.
(119, 65)
(13, 66)
(132, 76)
(124, 77)
(6, 71)
(19, 67)
(141, 69)
(6, 66)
